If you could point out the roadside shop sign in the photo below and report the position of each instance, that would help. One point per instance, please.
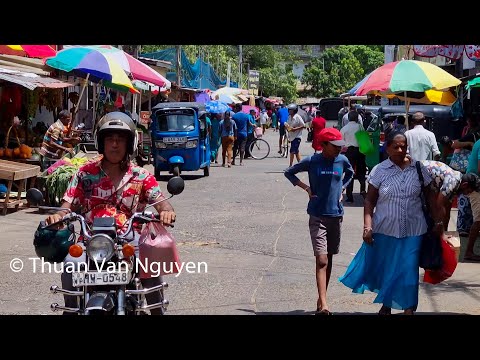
(253, 82)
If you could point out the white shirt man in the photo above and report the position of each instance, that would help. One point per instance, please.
(349, 131)
(345, 119)
(422, 144)
(263, 118)
(294, 122)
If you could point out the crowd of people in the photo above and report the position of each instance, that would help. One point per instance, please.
(387, 263)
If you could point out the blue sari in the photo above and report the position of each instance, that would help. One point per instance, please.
(215, 138)
(388, 267)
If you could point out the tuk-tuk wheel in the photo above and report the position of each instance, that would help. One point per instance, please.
(176, 171)
(206, 171)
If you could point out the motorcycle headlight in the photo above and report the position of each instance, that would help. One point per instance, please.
(100, 247)
(191, 144)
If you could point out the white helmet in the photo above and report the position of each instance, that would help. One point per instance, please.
(115, 121)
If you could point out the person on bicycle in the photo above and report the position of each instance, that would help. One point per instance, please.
(113, 186)
(294, 127)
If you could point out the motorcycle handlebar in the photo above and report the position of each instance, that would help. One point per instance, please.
(143, 216)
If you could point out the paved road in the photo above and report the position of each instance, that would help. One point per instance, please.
(249, 225)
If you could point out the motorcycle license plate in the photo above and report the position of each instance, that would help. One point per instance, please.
(174, 139)
(93, 278)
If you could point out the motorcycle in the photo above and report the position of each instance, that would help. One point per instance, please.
(109, 282)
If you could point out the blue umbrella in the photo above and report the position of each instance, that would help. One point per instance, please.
(216, 107)
(353, 90)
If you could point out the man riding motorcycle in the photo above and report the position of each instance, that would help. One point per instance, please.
(113, 186)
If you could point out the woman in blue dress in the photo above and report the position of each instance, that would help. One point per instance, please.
(215, 139)
(387, 262)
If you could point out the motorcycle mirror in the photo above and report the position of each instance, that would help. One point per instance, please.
(175, 185)
(34, 197)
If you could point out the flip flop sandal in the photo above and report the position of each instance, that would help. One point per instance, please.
(323, 312)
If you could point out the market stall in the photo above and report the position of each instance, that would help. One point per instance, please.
(22, 176)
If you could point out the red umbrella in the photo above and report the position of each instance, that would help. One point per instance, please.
(34, 51)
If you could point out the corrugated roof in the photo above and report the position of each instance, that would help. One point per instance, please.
(30, 80)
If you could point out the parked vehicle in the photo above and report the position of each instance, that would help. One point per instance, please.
(108, 283)
(330, 107)
(180, 138)
(439, 120)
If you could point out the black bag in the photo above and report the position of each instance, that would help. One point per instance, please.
(431, 249)
(310, 136)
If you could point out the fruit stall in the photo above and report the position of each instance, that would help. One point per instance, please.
(53, 182)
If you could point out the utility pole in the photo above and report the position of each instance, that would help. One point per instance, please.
(229, 69)
(240, 66)
(179, 65)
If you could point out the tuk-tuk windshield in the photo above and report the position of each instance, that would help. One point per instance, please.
(177, 120)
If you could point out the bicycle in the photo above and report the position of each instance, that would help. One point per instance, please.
(259, 148)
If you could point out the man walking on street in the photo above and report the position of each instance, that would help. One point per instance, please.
(294, 127)
(282, 119)
(353, 154)
(422, 144)
(329, 173)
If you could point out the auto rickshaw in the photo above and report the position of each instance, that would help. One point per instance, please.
(180, 138)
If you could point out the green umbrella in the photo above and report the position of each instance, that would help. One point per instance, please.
(473, 83)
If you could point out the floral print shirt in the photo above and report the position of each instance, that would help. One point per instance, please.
(445, 179)
(92, 193)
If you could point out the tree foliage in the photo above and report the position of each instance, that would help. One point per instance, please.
(274, 79)
(339, 68)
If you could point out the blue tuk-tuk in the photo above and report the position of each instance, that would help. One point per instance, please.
(180, 138)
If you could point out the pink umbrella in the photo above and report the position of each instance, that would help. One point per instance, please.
(137, 69)
(246, 109)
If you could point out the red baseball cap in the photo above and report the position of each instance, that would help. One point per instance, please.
(331, 135)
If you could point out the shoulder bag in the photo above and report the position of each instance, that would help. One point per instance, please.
(431, 248)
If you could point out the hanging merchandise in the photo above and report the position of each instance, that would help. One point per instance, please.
(119, 102)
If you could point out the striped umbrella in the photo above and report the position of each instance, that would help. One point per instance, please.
(407, 76)
(93, 65)
(411, 80)
(134, 67)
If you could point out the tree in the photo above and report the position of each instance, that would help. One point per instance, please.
(339, 68)
(369, 58)
(275, 80)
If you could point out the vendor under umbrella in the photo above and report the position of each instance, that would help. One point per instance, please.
(54, 141)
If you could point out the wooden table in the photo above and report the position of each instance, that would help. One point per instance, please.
(14, 171)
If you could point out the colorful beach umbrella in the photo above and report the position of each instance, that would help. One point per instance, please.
(94, 65)
(353, 90)
(410, 80)
(407, 76)
(427, 97)
(34, 51)
(134, 67)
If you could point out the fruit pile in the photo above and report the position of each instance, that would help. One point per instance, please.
(20, 152)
